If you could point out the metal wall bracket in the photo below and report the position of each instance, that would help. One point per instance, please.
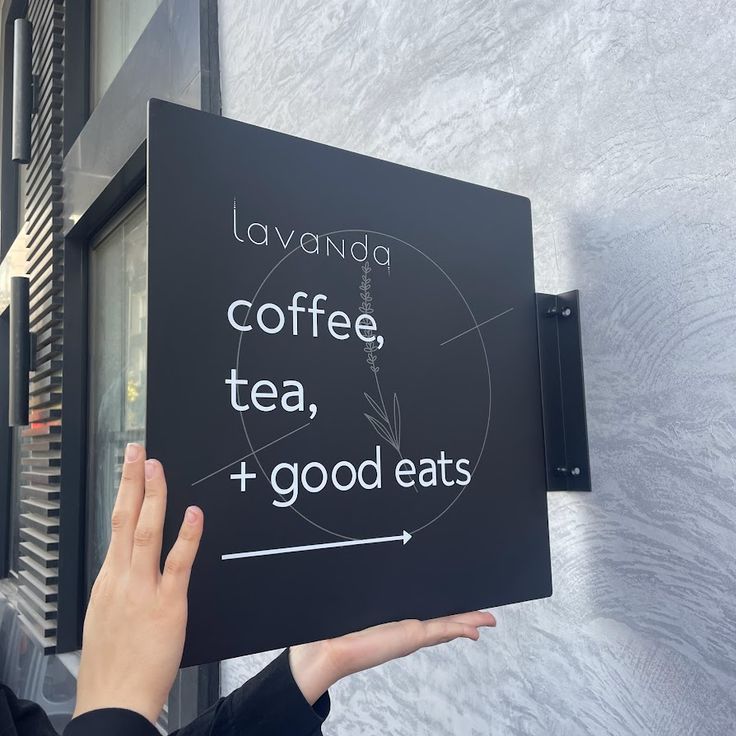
(563, 392)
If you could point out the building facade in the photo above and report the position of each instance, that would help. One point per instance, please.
(617, 120)
(74, 221)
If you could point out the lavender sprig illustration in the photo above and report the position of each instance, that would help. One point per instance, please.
(391, 432)
(366, 308)
(388, 427)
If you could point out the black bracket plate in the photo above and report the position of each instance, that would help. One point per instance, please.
(563, 392)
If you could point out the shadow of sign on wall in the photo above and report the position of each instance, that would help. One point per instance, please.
(343, 374)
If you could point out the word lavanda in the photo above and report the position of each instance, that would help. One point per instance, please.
(288, 478)
(271, 319)
(332, 244)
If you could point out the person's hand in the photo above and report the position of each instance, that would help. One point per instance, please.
(319, 665)
(136, 618)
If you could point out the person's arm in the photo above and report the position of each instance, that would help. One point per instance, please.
(134, 632)
(269, 704)
(136, 620)
(319, 665)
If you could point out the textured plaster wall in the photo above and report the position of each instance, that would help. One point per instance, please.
(618, 120)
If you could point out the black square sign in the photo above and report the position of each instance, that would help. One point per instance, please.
(343, 374)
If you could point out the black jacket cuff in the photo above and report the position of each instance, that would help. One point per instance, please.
(110, 722)
(271, 703)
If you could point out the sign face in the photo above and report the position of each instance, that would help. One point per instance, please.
(343, 374)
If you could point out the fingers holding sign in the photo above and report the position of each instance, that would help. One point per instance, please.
(178, 565)
(379, 644)
(136, 618)
(127, 508)
(147, 539)
(318, 665)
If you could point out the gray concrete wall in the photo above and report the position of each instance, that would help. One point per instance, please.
(618, 120)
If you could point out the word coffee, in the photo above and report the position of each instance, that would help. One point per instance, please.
(271, 319)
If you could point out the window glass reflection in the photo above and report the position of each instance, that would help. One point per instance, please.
(116, 26)
(117, 378)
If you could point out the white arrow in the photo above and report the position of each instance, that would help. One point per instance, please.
(403, 537)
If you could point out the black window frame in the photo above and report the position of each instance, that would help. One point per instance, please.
(6, 449)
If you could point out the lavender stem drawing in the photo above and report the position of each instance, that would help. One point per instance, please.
(387, 426)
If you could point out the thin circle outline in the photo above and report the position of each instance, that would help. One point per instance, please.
(480, 337)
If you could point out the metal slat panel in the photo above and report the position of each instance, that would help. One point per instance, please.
(41, 508)
(42, 404)
(46, 431)
(42, 307)
(54, 252)
(49, 337)
(45, 385)
(47, 593)
(37, 477)
(47, 576)
(47, 353)
(47, 643)
(40, 491)
(46, 368)
(38, 226)
(47, 416)
(47, 177)
(46, 321)
(43, 558)
(38, 624)
(55, 71)
(48, 281)
(42, 524)
(47, 542)
(41, 249)
(34, 172)
(29, 595)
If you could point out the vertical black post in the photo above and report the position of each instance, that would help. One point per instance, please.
(20, 352)
(22, 91)
(6, 439)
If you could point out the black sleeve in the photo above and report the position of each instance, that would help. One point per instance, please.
(111, 722)
(269, 704)
(22, 717)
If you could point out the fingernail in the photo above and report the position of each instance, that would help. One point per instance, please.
(132, 452)
(192, 515)
(151, 468)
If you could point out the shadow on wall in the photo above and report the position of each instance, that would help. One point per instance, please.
(646, 565)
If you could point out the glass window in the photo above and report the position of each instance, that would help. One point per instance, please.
(116, 26)
(117, 366)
